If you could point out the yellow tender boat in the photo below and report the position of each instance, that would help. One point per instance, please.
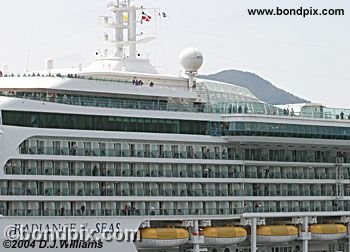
(162, 237)
(216, 236)
(276, 234)
(327, 232)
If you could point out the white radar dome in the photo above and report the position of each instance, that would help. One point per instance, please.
(191, 59)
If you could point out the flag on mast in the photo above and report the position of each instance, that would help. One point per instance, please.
(125, 17)
(146, 17)
(164, 15)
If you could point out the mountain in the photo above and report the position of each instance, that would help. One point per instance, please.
(260, 87)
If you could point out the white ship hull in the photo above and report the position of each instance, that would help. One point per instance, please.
(180, 160)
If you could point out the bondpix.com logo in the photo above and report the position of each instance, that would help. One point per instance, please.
(17, 232)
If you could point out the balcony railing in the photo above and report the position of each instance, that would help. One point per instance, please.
(96, 152)
(169, 211)
(109, 192)
(160, 173)
(220, 155)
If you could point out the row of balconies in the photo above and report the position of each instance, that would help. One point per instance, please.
(160, 212)
(116, 212)
(34, 191)
(142, 150)
(160, 170)
(96, 152)
(119, 172)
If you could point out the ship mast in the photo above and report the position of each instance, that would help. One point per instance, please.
(124, 24)
(118, 32)
(132, 30)
(124, 56)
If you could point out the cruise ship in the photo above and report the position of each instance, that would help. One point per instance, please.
(192, 165)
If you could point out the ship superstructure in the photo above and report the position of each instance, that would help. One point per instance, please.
(195, 165)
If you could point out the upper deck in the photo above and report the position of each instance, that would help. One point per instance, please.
(207, 97)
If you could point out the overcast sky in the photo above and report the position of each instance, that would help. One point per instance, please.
(306, 56)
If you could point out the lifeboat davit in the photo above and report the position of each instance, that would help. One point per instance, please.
(276, 234)
(216, 236)
(328, 232)
(162, 237)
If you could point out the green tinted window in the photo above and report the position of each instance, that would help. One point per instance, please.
(287, 130)
(103, 123)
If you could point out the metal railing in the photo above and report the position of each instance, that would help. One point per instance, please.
(164, 173)
(142, 192)
(133, 211)
(255, 108)
(212, 155)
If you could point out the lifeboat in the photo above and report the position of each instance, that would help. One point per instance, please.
(216, 236)
(276, 234)
(327, 232)
(162, 237)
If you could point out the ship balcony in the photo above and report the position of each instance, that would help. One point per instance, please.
(68, 210)
(156, 190)
(61, 171)
(96, 152)
(197, 155)
(106, 192)
(98, 148)
(147, 208)
(33, 147)
(158, 170)
(121, 212)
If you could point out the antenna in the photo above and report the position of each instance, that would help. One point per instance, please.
(28, 54)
